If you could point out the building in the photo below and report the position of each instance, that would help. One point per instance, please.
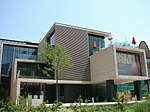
(96, 70)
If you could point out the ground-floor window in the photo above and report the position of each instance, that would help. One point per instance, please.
(5, 87)
(67, 92)
(31, 89)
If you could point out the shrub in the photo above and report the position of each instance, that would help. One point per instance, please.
(142, 107)
(78, 107)
(147, 96)
(65, 109)
(121, 99)
(6, 106)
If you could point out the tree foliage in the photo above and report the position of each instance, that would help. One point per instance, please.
(56, 57)
(57, 60)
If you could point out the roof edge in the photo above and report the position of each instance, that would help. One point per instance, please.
(105, 34)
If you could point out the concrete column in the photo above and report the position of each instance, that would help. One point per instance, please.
(138, 90)
(147, 82)
(110, 90)
(17, 91)
(1, 51)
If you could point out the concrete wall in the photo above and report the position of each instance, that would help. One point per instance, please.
(13, 86)
(40, 47)
(1, 50)
(103, 65)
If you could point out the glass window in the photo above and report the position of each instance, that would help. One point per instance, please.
(62, 93)
(52, 39)
(128, 64)
(31, 70)
(11, 52)
(31, 88)
(100, 43)
(26, 53)
(4, 88)
(7, 58)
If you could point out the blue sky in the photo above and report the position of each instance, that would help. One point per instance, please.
(29, 20)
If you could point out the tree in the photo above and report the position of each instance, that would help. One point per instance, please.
(57, 60)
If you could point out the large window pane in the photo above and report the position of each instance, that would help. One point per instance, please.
(100, 43)
(51, 40)
(31, 70)
(11, 52)
(26, 53)
(7, 58)
(128, 64)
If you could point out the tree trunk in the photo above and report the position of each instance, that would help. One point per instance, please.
(57, 88)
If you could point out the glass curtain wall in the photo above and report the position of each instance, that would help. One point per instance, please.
(100, 43)
(31, 70)
(8, 55)
(11, 52)
(25, 53)
(7, 59)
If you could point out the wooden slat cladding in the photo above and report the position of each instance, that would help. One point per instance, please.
(76, 43)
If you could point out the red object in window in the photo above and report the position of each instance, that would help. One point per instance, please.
(133, 41)
(94, 44)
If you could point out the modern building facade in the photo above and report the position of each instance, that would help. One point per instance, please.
(96, 69)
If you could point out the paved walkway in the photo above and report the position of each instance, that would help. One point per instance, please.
(97, 103)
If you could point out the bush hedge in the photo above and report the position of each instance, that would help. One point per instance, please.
(8, 106)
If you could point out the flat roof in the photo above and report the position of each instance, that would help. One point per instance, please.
(16, 41)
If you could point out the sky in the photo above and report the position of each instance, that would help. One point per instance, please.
(30, 20)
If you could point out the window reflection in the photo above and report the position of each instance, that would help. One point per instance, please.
(100, 43)
(31, 70)
(26, 53)
(7, 58)
(52, 40)
(11, 52)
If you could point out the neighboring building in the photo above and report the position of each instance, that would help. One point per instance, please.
(94, 70)
(144, 46)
